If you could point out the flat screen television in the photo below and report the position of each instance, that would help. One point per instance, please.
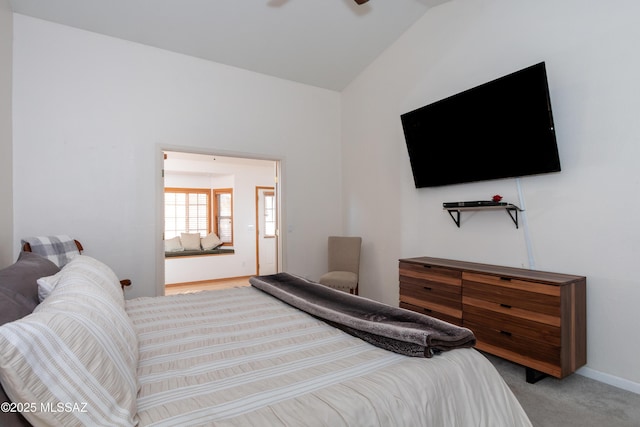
(500, 129)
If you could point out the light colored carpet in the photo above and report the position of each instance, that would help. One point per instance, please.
(573, 401)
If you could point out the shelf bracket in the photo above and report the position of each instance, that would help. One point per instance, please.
(513, 213)
(456, 218)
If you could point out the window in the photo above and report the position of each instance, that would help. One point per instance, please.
(223, 212)
(269, 214)
(187, 210)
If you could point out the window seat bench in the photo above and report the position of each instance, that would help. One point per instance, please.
(217, 251)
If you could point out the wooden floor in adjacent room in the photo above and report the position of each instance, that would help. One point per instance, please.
(182, 288)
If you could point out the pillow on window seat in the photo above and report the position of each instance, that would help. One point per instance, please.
(173, 245)
(190, 241)
(210, 241)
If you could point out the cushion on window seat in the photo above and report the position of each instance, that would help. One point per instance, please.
(173, 245)
(210, 241)
(190, 241)
(216, 251)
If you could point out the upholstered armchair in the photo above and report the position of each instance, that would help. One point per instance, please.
(344, 264)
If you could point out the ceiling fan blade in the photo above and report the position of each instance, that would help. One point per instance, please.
(361, 1)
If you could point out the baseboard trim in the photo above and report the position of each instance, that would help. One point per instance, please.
(610, 379)
(201, 282)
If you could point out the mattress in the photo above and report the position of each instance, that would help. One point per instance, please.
(239, 357)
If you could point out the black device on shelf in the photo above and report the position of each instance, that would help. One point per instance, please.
(474, 203)
(500, 129)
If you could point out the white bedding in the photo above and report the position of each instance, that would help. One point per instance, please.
(239, 357)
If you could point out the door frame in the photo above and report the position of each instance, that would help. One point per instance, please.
(258, 190)
(279, 163)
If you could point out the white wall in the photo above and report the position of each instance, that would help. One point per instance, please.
(6, 156)
(91, 113)
(242, 176)
(581, 220)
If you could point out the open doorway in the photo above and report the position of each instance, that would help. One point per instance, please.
(214, 224)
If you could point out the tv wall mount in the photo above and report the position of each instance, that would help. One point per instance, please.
(455, 208)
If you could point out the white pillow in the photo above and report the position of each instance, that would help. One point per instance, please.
(84, 268)
(45, 286)
(173, 245)
(210, 241)
(78, 346)
(190, 241)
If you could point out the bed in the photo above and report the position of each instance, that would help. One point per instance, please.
(234, 357)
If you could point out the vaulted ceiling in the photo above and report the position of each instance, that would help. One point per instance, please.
(324, 43)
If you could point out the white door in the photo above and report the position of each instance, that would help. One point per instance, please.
(266, 230)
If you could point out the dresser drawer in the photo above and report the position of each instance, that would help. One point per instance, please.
(448, 295)
(504, 322)
(420, 273)
(538, 299)
(439, 312)
(521, 345)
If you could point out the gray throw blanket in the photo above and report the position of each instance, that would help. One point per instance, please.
(395, 329)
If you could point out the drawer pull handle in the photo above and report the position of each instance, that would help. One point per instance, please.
(426, 266)
(426, 310)
(505, 333)
(506, 279)
(505, 305)
(426, 288)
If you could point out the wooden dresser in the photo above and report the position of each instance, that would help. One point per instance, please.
(534, 318)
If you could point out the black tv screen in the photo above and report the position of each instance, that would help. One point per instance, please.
(500, 129)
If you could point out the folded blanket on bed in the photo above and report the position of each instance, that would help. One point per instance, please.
(395, 329)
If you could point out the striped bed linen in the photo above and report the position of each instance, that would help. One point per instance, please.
(239, 357)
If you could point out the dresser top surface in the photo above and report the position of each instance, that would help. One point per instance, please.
(545, 276)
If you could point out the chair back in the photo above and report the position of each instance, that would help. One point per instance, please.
(344, 253)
